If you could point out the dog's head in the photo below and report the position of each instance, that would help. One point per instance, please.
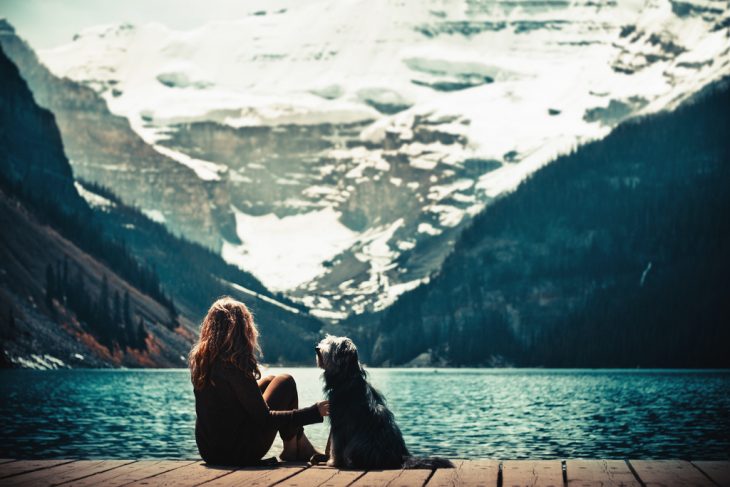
(337, 356)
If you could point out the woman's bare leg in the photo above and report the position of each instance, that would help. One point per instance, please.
(280, 393)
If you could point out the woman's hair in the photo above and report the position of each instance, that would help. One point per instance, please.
(228, 334)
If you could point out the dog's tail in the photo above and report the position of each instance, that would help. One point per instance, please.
(426, 462)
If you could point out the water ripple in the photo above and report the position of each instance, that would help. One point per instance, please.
(458, 413)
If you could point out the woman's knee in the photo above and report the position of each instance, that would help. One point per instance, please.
(264, 382)
(287, 381)
(282, 392)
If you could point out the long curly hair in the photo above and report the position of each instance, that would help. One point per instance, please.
(227, 334)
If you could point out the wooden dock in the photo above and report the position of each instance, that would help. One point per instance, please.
(477, 473)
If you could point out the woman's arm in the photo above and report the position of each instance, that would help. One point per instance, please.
(249, 395)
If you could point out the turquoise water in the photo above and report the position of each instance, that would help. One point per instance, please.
(451, 412)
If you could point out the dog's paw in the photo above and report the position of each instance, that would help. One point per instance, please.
(318, 458)
(331, 462)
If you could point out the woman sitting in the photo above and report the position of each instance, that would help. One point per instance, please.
(238, 413)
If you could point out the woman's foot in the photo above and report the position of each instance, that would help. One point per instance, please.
(290, 451)
(284, 457)
(305, 449)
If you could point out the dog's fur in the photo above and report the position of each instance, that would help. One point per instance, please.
(363, 431)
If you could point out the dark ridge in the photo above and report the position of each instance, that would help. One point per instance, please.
(614, 255)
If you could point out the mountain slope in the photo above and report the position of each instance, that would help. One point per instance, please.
(47, 282)
(103, 148)
(383, 127)
(72, 289)
(31, 151)
(612, 256)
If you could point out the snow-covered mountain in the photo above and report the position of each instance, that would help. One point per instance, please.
(354, 139)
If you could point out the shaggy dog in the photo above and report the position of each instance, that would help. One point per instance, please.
(363, 432)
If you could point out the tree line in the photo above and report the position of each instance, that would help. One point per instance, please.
(107, 317)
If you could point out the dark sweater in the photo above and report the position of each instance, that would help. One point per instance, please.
(232, 418)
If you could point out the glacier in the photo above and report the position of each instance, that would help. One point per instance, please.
(356, 139)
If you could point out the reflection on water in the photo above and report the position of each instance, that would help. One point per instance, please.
(457, 413)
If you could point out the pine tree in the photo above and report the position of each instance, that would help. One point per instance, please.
(50, 286)
(141, 335)
(103, 314)
(127, 311)
(117, 309)
(60, 290)
(65, 271)
(117, 327)
(104, 300)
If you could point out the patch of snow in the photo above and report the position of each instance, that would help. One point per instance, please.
(286, 252)
(237, 177)
(426, 162)
(644, 274)
(205, 170)
(329, 315)
(428, 229)
(406, 245)
(439, 192)
(377, 252)
(262, 297)
(40, 362)
(154, 215)
(448, 215)
(463, 198)
(91, 198)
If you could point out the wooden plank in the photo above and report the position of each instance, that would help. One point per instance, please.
(64, 473)
(468, 473)
(590, 473)
(520, 473)
(343, 478)
(669, 472)
(393, 478)
(188, 475)
(257, 476)
(6, 460)
(311, 477)
(377, 478)
(129, 473)
(22, 466)
(242, 476)
(718, 471)
(412, 478)
(276, 475)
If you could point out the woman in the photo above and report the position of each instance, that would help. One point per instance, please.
(238, 413)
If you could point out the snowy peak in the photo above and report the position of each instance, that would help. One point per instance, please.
(384, 125)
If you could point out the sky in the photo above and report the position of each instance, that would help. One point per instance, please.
(49, 23)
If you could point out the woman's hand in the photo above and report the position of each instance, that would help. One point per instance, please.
(324, 408)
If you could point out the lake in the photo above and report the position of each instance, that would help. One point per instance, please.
(465, 413)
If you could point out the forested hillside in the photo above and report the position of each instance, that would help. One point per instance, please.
(614, 255)
(196, 276)
(68, 294)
